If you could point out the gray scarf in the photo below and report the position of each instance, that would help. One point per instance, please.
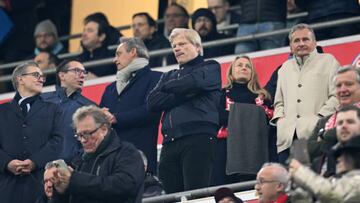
(123, 76)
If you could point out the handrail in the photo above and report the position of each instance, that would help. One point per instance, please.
(233, 40)
(199, 193)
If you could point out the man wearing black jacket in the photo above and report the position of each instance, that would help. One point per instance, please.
(109, 170)
(189, 98)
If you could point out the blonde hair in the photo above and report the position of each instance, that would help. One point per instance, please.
(253, 84)
(190, 34)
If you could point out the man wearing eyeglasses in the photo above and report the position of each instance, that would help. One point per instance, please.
(30, 136)
(109, 171)
(271, 182)
(70, 77)
(176, 16)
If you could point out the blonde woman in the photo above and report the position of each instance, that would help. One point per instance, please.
(244, 121)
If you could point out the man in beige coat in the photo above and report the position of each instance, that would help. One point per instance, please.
(305, 90)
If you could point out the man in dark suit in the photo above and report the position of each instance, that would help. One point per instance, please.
(30, 136)
(125, 99)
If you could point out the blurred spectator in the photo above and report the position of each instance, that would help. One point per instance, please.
(124, 100)
(109, 170)
(328, 10)
(244, 138)
(343, 188)
(204, 22)
(258, 17)
(303, 79)
(152, 185)
(271, 182)
(347, 126)
(347, 87)
(30, 134)
(46, 38)
(145, 27)
(97, 35)
(225, 195)
(224, 17)
(70, 77)
(47, 61)
(176, 16)
(190, 99)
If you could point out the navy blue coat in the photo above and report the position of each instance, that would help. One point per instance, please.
(37, 137)
(135, 124)
(69, 105)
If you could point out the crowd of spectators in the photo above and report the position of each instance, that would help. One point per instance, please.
(212, 135)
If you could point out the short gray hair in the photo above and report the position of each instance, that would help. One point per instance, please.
(19, 70)
(281, 175)
(347, 69)
(190, 34)
(301, 26)
(135, 43)
(95, 112)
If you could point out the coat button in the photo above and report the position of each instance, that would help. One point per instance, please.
(299, 85)
(25, 137)
(172, 139)
(165, 135)
(24, 125)
(298, 116)
(299, 100)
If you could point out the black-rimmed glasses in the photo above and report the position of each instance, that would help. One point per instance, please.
(86, 135)
(36, 75)
(77, 71)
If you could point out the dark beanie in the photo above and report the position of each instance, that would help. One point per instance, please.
(203, 12)
(223, 192)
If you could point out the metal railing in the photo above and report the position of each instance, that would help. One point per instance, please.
(233, 40)
(199, 193)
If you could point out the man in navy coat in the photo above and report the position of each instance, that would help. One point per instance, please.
(30, 136)
(124, 100)
(70, 77)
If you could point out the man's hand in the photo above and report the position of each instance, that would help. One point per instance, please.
(15, 166)
(63, 179)
(109, 116)
(27, 166)
(293, 166)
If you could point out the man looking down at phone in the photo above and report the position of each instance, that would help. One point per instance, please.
(109, 170)
(30, 136)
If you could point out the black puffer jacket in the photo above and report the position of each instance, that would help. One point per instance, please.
(256, 11)
(114, 173)
(189, 98)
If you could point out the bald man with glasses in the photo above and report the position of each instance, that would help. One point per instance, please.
(30, 136)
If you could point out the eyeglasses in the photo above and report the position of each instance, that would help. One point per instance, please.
(262, 181)
(77, 71)
(86, 135)
(36, 75)
(174, 15)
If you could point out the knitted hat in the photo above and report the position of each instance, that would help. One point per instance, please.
(203, 12)
(223, 192)
(46, 26)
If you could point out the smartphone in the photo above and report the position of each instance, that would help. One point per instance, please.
(60, 164)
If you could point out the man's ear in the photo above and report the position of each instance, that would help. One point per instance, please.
(280, 187)
(102, 37)
(133, 52)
